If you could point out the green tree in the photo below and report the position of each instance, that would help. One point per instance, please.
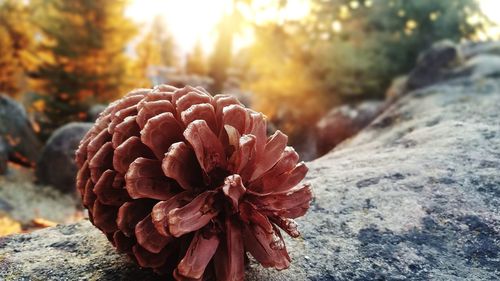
(378, 39)
(344, 51)
(82, 55)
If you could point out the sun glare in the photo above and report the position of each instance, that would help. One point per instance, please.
(188, 20)
(262, 11)
(195, 20)
(491, 9)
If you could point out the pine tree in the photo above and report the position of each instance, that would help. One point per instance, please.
(16, 35)
(165, 40)
(196, 61)
(82, 55)
(221, 57)
(157, 48)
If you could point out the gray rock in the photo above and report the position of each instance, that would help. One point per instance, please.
(343, 122)
(15, 128)
(480, 66)
(70, 252)
(306, 144)
(4, 156)
(471, 49)
(56, 166)
(414, 196)
(433, 65)
(445, 61)
(94, 112)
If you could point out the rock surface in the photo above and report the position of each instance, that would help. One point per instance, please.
(446, 60)
(414, 196)
(24, 201)
(4, 156)
(15, 128)
(56, 166)
(71, 252)
(472, 49)
(480, 66)
(434, 65)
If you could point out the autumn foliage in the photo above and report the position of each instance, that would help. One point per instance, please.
(61, 57)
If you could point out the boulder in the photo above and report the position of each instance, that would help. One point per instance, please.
(94, 112)
(4, 156)
(480, 66)
(56, 166)
(445, 61)
(343, 122)
(16, 130)
(305, 144)
(471, 49)
(433, 65)
(414, 196)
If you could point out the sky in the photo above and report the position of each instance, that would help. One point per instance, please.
(193, 20)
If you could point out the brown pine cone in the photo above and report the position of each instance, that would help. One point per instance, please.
(187, 183)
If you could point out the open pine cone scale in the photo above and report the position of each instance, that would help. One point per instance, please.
(187, 183)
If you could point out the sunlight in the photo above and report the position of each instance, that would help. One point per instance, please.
(266, 11)
(193, 20)
(188, 20)
(491, 8)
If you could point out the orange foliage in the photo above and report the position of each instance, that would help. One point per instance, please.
(9, 226)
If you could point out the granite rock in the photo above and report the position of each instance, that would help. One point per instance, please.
(69, 252)
(434, 65)
(94, 111)
(414, 196)
(56, 166)
(343, 122)
(471, 49)
(16, 130)
(4, 156)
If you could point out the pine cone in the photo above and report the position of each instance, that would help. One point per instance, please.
(187, 183)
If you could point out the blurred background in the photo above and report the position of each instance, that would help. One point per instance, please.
(319, 69)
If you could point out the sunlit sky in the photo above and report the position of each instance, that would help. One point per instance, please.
(193, 20)
(491, 8)
(187, 20)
